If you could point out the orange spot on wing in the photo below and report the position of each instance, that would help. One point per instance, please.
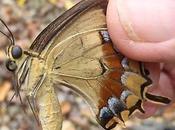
(114, 75)
(112, 62)
(110, 88)
(108, 49)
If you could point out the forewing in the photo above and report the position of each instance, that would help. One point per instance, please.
(88, 12)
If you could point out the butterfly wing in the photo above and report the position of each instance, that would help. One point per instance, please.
(81, 57)
(78, 53)
(67, 23)
(89, 66)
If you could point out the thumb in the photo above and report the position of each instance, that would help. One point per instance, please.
(146, 51)
(127, 26)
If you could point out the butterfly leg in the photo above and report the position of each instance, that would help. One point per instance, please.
(35, 90)
(32, 95)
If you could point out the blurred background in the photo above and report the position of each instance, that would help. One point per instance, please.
(26, 19)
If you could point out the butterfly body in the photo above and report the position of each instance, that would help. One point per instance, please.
(76, 51)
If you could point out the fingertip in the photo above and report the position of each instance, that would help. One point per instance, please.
(142, 51)
(115, 28)
(119, 37)
(150, 110)
(147, 51)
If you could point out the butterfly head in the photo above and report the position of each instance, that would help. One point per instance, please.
(15, 52)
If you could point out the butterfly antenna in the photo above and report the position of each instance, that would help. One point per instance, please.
(11, 99)
(6, 36)
(12, 39)
(17, 87)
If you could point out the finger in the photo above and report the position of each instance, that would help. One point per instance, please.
(164, 89)
(147, 52)
(169, 69)
(154, 72)
(150, 30)
(151, 108)
(151, 20)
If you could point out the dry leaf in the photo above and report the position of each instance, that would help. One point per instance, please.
(4, 89)
(68, 4)
(65, 107)
(67, 125)
(2, 55)
(21, 2)
(54, 2)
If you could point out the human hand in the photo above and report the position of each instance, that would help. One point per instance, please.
(150, 39)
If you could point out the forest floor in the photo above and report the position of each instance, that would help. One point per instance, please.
(26, 18)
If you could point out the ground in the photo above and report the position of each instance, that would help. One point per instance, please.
(26, 19)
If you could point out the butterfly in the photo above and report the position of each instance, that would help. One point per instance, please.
(76, 51)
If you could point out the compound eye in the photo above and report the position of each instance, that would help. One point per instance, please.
(16, 52)
(11, 65)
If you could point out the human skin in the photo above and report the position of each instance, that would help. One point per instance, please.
(153, 22)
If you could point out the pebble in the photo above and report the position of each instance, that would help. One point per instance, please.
(14, 125)
(67, 125)
(4, 128)
(13, 110)
(5, 119)
(149, 122)
(66, 107)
